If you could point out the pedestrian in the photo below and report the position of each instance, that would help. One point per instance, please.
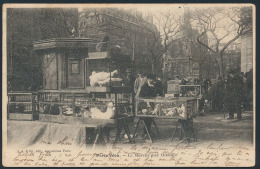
(148, 90)
(177, 79)
(234, 94)
(159, 86)
(129, 79)
(201, 105)
(139, 82)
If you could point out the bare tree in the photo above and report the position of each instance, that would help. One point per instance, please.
(222, 25)
(198, 55)
(145, 38)
(168, 30)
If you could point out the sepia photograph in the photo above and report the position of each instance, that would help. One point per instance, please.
(128, 85)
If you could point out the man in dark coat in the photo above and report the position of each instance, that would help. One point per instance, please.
(148, 90)
(234, 94)
(159, 86)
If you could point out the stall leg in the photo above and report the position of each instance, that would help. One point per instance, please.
(192, 129)
(127, 132)
(173, 134)
(96, 139)
(147, 131)
(183, 131)
(137, 125)
(157, 130)
(119, 128)
(106, 134)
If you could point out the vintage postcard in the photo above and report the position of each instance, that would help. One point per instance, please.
(128, 85)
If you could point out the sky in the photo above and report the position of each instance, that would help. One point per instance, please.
(155, 9)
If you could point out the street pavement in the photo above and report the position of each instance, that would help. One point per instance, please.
(208, 128)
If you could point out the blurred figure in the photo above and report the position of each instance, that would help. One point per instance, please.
(148, 90)
(201, 106)
(159, 87)
(248, 104)
(177, 79)
(129, 79)
(184, 81)
(139, 82)
(205, 85)
(196, 81)
(234, 94)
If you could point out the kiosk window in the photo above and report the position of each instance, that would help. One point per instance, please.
(75, 67)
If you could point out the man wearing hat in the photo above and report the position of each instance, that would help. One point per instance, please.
(129, 79)
(148, 90)
(234, 94)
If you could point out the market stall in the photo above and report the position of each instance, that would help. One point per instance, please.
(91, 89)
(181, 108)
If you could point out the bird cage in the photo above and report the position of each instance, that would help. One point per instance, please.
(79, 107)
(108, 69)
(178, 108)
(22, 106)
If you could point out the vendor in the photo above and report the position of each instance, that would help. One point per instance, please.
(139, 82)
(148, 90)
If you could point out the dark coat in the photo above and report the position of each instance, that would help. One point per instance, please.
(159, 87)
(234, 92)
(148, 91)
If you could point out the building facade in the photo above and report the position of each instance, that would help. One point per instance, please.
(128, 30)
(247, 52)
(232, 56)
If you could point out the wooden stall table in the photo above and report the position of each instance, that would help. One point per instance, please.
(143, 119)
(185, 127)
(122, 123)
(102, 126)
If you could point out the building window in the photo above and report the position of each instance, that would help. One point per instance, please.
(74, 67)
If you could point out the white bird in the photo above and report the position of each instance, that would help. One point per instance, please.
(103, 82)
(156, 109)
(68, 111)
(100, 77)
(98, 114)
(182, 111)
(95, 113)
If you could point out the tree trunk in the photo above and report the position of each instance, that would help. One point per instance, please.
(153, 67)
(219, 58)
(200, 71)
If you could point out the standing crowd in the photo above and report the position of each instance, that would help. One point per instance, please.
(232, 94)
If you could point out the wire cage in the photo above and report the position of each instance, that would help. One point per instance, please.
(55, 105)
(179, 108)
(22, 106)
(190, 90)
(106, 69)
